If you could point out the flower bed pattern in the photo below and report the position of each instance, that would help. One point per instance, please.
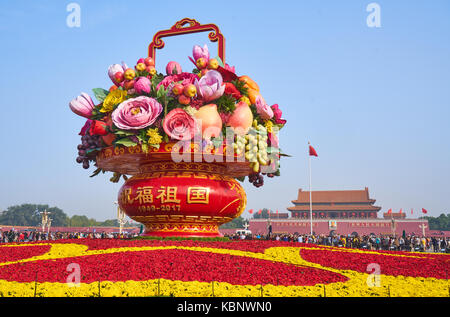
(224, 269)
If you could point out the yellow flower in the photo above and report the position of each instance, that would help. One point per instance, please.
(114, 97)
(154, 136)
(269, 126)
(245, 99)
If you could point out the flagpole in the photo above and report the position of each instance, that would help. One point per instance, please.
(310, 195)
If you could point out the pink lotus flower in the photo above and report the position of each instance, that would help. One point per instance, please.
(199, 52)
(179, 125)
(142, 85)
(82, 105)
(210, 86)
(136, 113)
(173, 68)
(277, 114)
(263, 109)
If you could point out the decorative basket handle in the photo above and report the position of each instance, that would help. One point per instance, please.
(194, 27)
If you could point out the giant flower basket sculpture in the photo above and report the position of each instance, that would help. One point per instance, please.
(187, 139)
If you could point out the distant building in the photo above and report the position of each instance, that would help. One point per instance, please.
(279, 215)
(335, 204)
(339, 211)
(394, 215)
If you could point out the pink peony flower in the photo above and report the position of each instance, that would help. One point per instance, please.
(136, 113)
(210, 86)
(185, 78)
(142, 85)
(179, 125)
(173, 68)
(277, 114)
(82, 105)
(263, 109)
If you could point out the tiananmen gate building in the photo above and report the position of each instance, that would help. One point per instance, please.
(340, 211)
(335, 204)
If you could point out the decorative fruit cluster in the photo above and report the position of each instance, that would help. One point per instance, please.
(254, 145)
(89, 143)
(184, 92)
(147, 108)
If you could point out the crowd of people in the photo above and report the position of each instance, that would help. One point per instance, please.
(369, 242)
(32, 235)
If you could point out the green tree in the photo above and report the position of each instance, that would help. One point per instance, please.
(438, 223)
(28, 215)
(81, 221)
(109, 223)
(235, 223)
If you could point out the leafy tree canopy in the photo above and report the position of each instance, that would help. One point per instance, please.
(439, 223)
(29, 215)
(235, 223)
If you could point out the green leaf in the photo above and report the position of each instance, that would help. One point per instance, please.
(93, 150)
(96, 172)
(241, 179)
(240, 86)
(100, 94)
(125, 142)
(225, 103)
(124, 133)
(217, 142)
(272, 149)
(155, 145)
(221, 64)
(161, 92)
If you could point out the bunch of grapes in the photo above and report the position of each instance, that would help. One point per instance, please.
(256, 179)
(88, 142)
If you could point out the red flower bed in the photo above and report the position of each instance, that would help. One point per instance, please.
(256, 246)
(428, 266)
(180, 265)
(15, 253)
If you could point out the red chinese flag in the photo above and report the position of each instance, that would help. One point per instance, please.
(312, 152)
(259, 212)
(389, 211)
(401, 210)
(412, 211)
(424, 210)
(250, 211)
(277, 212)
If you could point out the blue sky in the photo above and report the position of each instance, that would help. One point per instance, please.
(374, 102)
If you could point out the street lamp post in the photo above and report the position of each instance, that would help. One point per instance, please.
(45, 219)
(423, 226)
(120, 217)
(49, 224)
